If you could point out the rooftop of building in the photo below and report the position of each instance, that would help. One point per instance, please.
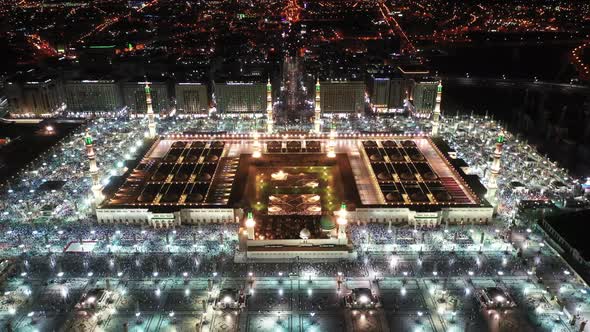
(568, 226)
(32, 76)
(185, 171)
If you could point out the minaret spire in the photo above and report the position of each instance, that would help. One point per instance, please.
(495, 168)
(332, 142)
(436, 113)
(250, 224)
(96, 186)
(317, 121)
(150, 111)
(269, 115)
(342, 221)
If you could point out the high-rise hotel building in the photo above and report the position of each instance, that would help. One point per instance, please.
(191, 98)
(342, 96)
(134, 96)
(240, 97)
(33, 95)
(93, 96)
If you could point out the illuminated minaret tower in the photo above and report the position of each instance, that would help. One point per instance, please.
(250, 224)
(342, 221)
(332, 143)
(495, 169)
(96, 187)
(269, 119)
(256, 145)
(436, 113)
(317, 121)
(150, 112)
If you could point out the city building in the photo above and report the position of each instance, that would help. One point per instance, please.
(389, 95)
(240, 97)
(134, 96)
(342, 97)
(565, 236)
(96, 57)
(30, 94)
(191, 98)
(388, 179)
(424, 97)
(93, 96)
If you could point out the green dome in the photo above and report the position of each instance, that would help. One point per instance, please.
(326, 223)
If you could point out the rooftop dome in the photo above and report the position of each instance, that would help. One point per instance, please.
(408, 143)
(159, 176)
(204, 177)
(375, 157)
(182, 176)
(370, 143)
(197, 144)
(383, 176)
(396, 157)
(170, 158)
(429, 176)
(194, 198)
(146, 197)
(407, 176)
(305, 233)
(326, 223)
(443, 196)
(191, 158)
(389, 143)
(417, 156)
(393, 197)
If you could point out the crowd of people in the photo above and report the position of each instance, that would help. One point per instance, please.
(525, 174)
(38, 221)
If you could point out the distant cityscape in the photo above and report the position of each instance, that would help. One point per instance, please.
(30, 95)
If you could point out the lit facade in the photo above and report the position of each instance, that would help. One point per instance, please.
(390, 94)
(424, 97)
(38, 96)
(134, 96)
(191, 98)
(95, 96)
(342, 97)
(240, 97)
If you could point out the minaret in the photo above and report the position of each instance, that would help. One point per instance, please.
(495, 169)
(96, 187)
(150, 112)
(436, 113)
(341, 220)
(332, 143)
(317, 120)
(269, 119)
(256, 153)
(250, 223)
